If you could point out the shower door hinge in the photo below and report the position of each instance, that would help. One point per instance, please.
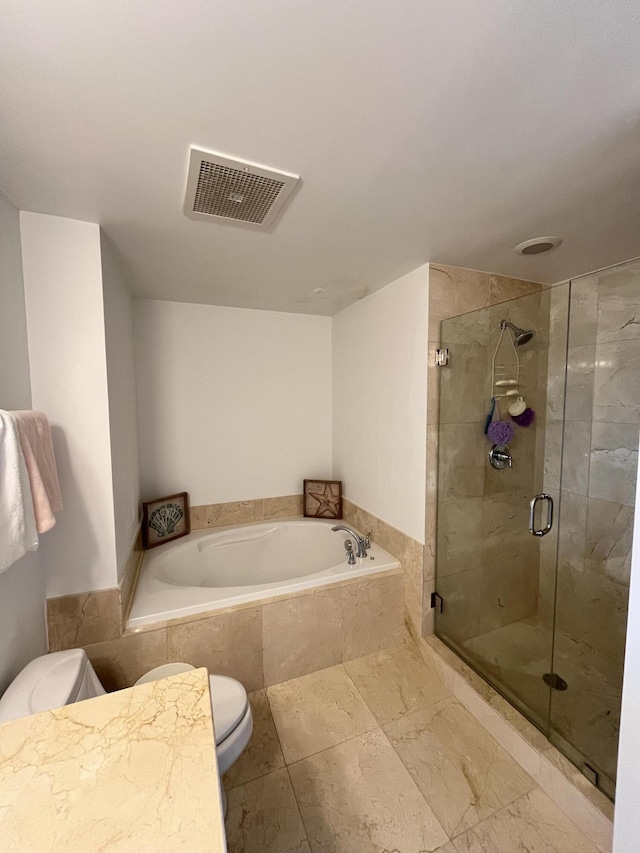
(437, 601)
(442, 357)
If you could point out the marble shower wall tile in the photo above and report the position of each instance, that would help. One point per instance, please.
(454, 291)
(572, 532)
(464, 384)
(499, 592)
(608, 539)
(462, 451)
(227, 644)
(460, 535)
(245, 512)
(84, 619)
(576, 450)
(503, 289)
(614, 461)
(583, 325)
(432, 463)
(618, 307)
(617, 382)
(580, 386)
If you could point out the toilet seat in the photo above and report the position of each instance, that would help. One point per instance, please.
(229, 701)
(232, 718)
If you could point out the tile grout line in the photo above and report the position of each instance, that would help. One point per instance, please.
(295, 797)
(415, 784)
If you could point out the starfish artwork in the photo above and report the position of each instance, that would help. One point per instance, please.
(323, 498)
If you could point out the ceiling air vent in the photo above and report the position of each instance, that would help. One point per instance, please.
(234, 190)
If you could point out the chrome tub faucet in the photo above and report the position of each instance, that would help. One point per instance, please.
(361, 542)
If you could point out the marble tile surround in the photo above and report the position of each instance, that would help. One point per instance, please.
(468, 484)
(245, 512)
(100, 615)
(93, 617)
(259, 644)
(432, 772)
(417, 560)
(265, 644)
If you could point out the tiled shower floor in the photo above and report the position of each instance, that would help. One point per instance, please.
(377, 755)
(587, 714)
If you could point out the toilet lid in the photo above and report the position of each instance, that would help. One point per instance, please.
(229, 702)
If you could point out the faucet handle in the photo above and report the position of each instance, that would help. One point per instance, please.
(367, 539)
(351, 557)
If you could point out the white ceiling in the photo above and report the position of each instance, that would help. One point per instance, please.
(423, 130)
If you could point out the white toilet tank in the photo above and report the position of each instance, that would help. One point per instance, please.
(50, 681)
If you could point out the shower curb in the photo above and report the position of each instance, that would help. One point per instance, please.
(584, 804)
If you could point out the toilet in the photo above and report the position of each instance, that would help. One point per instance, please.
(63, 678)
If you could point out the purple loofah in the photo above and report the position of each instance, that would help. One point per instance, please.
(500, 432)
(525, 419)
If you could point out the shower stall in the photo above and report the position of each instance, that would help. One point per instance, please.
(533, 545)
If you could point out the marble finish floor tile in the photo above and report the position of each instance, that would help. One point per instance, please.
(396, 682)
(358, 797)
(463, 773)
(532, 823)
(263, 753)
(317, 711)
(263, 816)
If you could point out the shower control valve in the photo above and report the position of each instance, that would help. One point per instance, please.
(500, 457)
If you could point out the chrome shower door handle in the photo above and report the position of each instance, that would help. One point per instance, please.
(543, 496)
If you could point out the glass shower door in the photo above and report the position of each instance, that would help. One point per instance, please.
(497, 581)
(599, 470)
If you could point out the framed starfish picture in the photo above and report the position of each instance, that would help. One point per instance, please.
(323, 498)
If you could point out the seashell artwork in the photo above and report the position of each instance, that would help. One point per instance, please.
(165, 519)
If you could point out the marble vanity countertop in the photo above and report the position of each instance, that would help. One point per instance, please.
(131, 771)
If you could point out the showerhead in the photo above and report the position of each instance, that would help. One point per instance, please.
(520, 336)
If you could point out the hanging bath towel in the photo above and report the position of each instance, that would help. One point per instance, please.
(37, 449)
(18, 533)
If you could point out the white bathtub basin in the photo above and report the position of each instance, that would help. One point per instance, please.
(209, 570)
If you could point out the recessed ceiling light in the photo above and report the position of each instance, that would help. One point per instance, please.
(537, 246)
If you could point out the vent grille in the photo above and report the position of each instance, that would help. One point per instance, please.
(234, 190)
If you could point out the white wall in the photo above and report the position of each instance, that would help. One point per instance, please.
(15, 386)
(22, 587)
(379, 401)
(123, 418)
(233, 404)
(65, 324)
(626, 830)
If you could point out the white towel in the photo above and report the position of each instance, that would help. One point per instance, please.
(17, 521)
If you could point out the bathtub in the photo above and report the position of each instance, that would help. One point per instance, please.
(210, 570)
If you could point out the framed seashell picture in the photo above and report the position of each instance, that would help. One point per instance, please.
(323, 498)
(165, 519)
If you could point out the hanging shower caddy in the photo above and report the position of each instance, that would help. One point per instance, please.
(505, 367)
